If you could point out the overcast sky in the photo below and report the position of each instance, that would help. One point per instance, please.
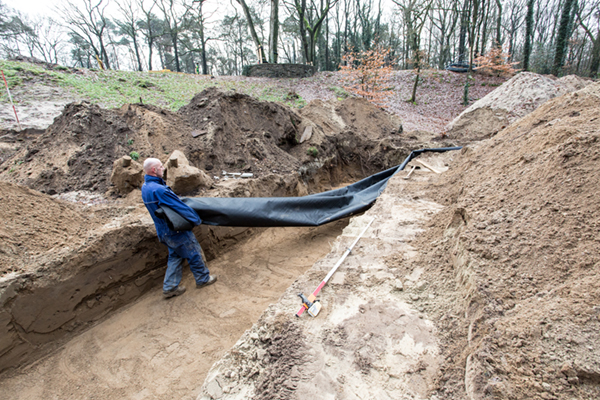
(32, 7)
(46, 7)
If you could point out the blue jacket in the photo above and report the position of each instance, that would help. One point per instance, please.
(156, 193)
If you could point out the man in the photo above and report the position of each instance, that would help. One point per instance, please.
(182, 244)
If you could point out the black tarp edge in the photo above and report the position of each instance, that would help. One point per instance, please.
(312, 210)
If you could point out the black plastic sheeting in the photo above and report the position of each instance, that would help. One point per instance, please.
(312, 210)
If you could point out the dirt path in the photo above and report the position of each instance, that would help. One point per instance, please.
(162, 349)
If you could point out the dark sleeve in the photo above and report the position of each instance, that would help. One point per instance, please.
(167, 198)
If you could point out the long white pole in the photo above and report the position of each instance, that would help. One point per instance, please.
(335, 267)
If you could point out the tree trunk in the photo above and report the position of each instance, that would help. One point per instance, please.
(472, 33)
(274, 31)
(176, 51)
(327, 44)
(150, 45)
(413, 97)
(464, 25)
(137, 53)
(595, 56)
(261, 52)
(301, 8)
(313, 30)
(528, 34)
(203, 52)
(562, 38)
(499, 25)
(104, 55)
(202, 39)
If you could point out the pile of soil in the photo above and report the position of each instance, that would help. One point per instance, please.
(218, 132)
(78, 150)
(235, 132)
(33, 225)
(519, 237)
(516, 98)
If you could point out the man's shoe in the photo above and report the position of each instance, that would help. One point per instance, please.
(211, 279)
(174, 292)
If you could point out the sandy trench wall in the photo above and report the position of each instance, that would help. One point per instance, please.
(37, 314)
(521, 236)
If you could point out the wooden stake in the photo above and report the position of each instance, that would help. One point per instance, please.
(423, 163)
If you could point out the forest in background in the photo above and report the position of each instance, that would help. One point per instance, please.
(557, 37)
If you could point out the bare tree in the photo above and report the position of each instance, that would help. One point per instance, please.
(233, 33)
(515, 20)
(174, 15)
(150, 27)
(257, 42)
(195, 38)
(583, 17)
(444, 18)
(129, 27)
(90, 24)
(415, 15)
(310, 20)
(48, 39)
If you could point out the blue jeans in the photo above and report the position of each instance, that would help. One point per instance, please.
(183, 245)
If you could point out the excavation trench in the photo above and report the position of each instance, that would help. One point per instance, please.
(115, 262)
(158, 346)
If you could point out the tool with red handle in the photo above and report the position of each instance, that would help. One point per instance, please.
(311, 304)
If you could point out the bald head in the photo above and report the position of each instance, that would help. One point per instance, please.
(153, 167)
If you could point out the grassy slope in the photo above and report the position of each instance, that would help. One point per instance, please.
(113, 88)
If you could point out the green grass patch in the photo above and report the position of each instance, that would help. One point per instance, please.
(112, 89)
(340, 93)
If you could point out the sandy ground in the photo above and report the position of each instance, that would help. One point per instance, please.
(162, 349)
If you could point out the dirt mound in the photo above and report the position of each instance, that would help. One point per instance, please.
(352, 114)
(522, 232)
(78, 150)
(34, 224)
(217, 132)
(236, 132)
(513, 100)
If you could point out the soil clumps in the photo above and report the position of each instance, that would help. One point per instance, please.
(34, 224)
